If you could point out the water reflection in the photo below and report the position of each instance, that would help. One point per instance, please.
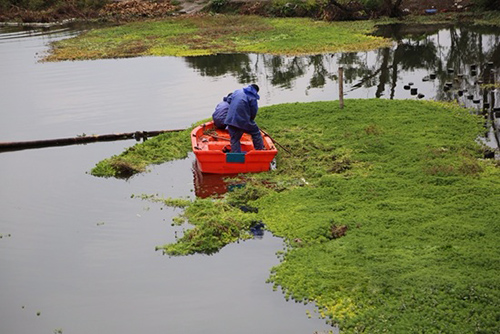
(431, 49)
(206, 185)
(237, 65)
(279, 71)
(213, 185)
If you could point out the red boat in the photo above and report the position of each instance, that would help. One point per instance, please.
(211, 148)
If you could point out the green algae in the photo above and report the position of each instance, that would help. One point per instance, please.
(159, 149)
(406, 184)
(215, 223)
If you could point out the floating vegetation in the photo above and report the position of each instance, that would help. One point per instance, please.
(159, 149)
(215, 224)
(416, 214)
(171, 202)
(387, 207)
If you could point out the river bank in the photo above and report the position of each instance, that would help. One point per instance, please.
(140, 10)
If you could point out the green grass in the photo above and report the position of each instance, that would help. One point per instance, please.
(213, 34)
(204, 35)
(488, 18)
(388, 210)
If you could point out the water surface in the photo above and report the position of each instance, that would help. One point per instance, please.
(80, 252)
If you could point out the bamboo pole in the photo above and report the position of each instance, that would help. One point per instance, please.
(138, 135)
(274, 141)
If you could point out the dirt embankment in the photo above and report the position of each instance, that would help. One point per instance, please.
(140, 9)
(117, 10)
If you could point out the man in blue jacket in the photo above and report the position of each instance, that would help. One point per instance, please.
(220, 113)
(241, 117)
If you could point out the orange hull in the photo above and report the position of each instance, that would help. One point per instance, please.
(208, 144)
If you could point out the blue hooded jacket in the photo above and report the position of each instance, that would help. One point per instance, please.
(220, 113)
(243, 109)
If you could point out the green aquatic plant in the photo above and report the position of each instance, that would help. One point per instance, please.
(388, 209)
(206, 35)
(159, 149)
(214, 224)
(171, 202)
(490, 85)
(418, 207)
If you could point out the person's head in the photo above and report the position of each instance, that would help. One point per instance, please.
(228, 98)
(255, 87)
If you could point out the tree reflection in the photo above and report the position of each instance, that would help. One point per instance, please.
(321, 72)
(237, 65)
(282, 71)
(355, 67)
(447, 52)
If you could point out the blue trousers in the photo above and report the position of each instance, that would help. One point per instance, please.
(237, 133)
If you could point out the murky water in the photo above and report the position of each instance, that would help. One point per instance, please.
(77, 252)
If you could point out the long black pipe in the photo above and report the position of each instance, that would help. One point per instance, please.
(23, 145)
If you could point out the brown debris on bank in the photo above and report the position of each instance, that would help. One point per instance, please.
(331, 10)
(62, 13)
(113, 11)
(138, 9)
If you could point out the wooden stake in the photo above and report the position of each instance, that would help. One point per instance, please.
(341, 87)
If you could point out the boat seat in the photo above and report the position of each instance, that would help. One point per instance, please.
(246, 146)
(219, 145)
